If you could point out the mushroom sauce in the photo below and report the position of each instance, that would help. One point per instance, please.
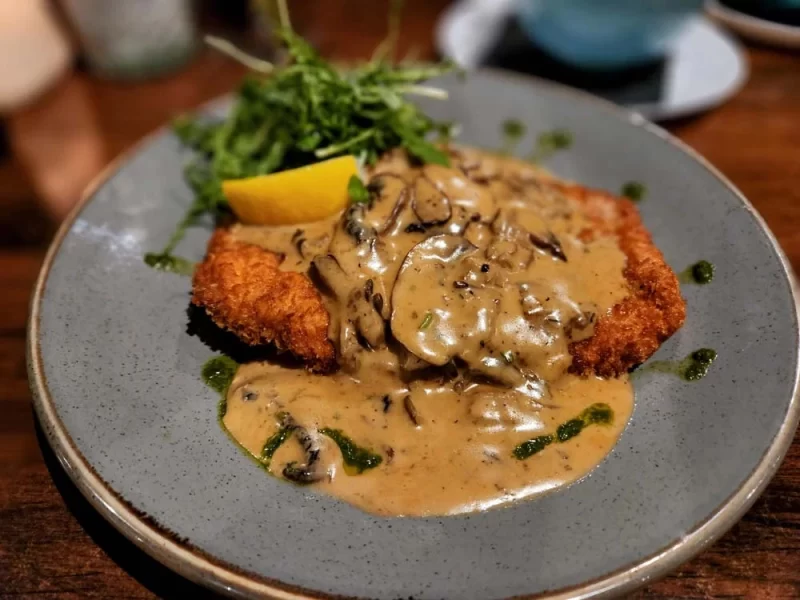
(454, 294)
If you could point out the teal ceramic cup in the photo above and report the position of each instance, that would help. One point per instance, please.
(606, 34)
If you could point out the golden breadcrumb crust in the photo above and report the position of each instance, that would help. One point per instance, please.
(653, 311)
(243, 290)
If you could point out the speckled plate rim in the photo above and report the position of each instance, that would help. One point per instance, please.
(160, 543)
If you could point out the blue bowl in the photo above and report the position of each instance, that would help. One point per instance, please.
(606, 34)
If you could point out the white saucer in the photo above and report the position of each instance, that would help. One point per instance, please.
(706, 67)
(753, 28)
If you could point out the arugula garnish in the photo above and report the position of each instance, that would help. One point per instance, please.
(307, 111)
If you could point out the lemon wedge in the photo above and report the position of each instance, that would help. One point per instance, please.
(300, 195)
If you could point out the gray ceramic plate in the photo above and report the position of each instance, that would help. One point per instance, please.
(117, 383)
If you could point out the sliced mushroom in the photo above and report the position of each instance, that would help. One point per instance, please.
(388, 191)
(496, 409)
(378, 303)
(301, 474)
(430, 204)
(516, 221)
(368, 320)
(394, 161)
(309, 248)
(499, 370)
(480, 168)
(395, 221)
(581, 327)
(430, 317)
(410, 363)
(532, 308)
(343, 333)
(359, 310)
(468, 200)
(332, 275)
(311, 471)
(510, 255)
(349, 347)
(542, 306)
(411, 410)
(550, 244)
(479, 234)
(355, 225)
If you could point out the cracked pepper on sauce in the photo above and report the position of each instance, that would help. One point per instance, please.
(453, 294)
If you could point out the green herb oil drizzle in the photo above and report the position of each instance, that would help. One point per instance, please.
(596, 414)
(549, 143)
(692, 368)
(701, 273)
(356, 459)
(532, 446)
(274, 442)
(170, 263)
(634, 191)
(218, 373)
(513, 132)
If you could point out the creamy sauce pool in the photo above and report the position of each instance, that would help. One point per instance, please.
(454, 295)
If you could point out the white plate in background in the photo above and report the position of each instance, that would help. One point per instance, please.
(753, 28)
(706, 67)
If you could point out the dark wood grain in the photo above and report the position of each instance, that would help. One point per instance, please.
(52, 544)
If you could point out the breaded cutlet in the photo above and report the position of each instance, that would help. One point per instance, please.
(653, 311)
(243, 289)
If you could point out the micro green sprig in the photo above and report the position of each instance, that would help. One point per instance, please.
(307, 111)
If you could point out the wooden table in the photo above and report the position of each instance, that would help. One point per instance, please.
(52, 544)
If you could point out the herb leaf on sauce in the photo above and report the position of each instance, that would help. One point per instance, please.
(357, 190)
(356, 459)
(426, 321)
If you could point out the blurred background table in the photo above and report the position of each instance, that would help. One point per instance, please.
(52, 544)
